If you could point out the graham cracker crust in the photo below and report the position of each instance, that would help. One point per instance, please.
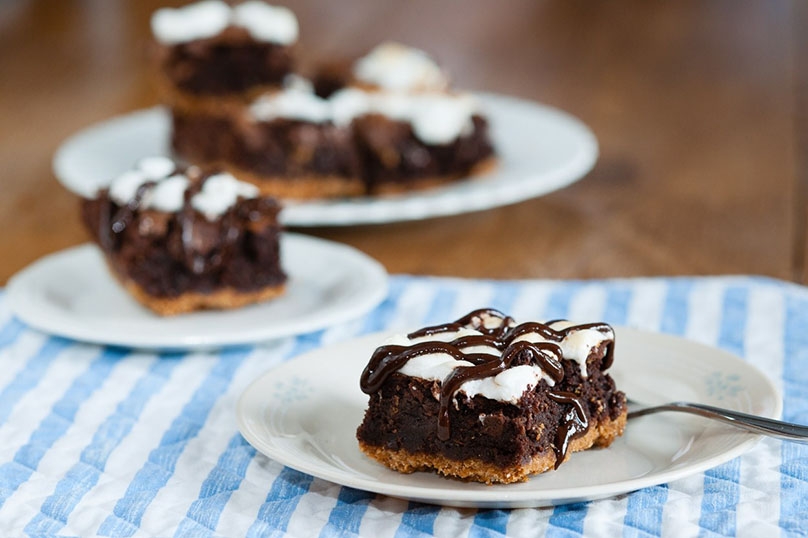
(302, 187)
(309, 187)
(210, 105)
(600, 435)
(191, 301)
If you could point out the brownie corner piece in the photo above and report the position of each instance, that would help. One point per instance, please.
(183, 239)
(222, 49)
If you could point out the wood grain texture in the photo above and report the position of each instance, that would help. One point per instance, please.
(696, 105)
(800, 59)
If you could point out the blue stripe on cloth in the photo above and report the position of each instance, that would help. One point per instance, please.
(84, 475)
(31, 374)
(794, 464)
(13, 474)
(10, 332)
(733, 320)
(722, 484)
(618, 300)
(568, 520)
(676, 309)
(505, 294)
(558, 304)
(644, 512)
(440, 310)
(231, 468)
(380, 317)
(645, 507)
(490, 524)
(155, 473)
(346, 516)
(204, 513)
(617, 304)
(418, 521)
(284, 495)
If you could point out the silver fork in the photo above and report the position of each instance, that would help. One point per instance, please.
(787, 431)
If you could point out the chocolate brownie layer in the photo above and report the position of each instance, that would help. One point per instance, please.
(475, 469)
(393, 158)
(286, 158)
(503, 434)
(229, 63)
(190, 301)
(220, 49)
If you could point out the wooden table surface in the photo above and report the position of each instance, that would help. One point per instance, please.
(699, 108)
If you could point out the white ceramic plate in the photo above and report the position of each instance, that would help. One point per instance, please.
(541, 149)
(72, 294)
(304, 414)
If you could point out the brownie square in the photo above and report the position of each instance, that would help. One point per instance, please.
(487, 400)
(218, 49)
(182, 239)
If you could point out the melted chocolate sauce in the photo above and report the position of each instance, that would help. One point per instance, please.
(547, 355)
(435, 329)
(548, 333)
(476, 320)
(574, 425)
(473, 320)
(389, 359)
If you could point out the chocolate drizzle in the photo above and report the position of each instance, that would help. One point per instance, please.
(557, 335)
(574, 425)
(112, 225)
(473, 320)
(506, 352)
(388, 359)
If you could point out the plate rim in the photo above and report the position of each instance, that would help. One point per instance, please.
(51, 322)
(411, 206)
(501, 497)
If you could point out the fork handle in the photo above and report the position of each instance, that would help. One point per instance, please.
(765, 426)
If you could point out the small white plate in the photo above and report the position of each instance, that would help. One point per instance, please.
(540, 149)
(304, 414)
(72, 294)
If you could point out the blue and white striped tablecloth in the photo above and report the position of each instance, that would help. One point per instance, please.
(105, 441)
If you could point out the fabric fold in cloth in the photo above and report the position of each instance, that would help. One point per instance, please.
(116, 442)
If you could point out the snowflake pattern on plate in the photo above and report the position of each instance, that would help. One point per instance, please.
(295, 389)
(720, 385)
